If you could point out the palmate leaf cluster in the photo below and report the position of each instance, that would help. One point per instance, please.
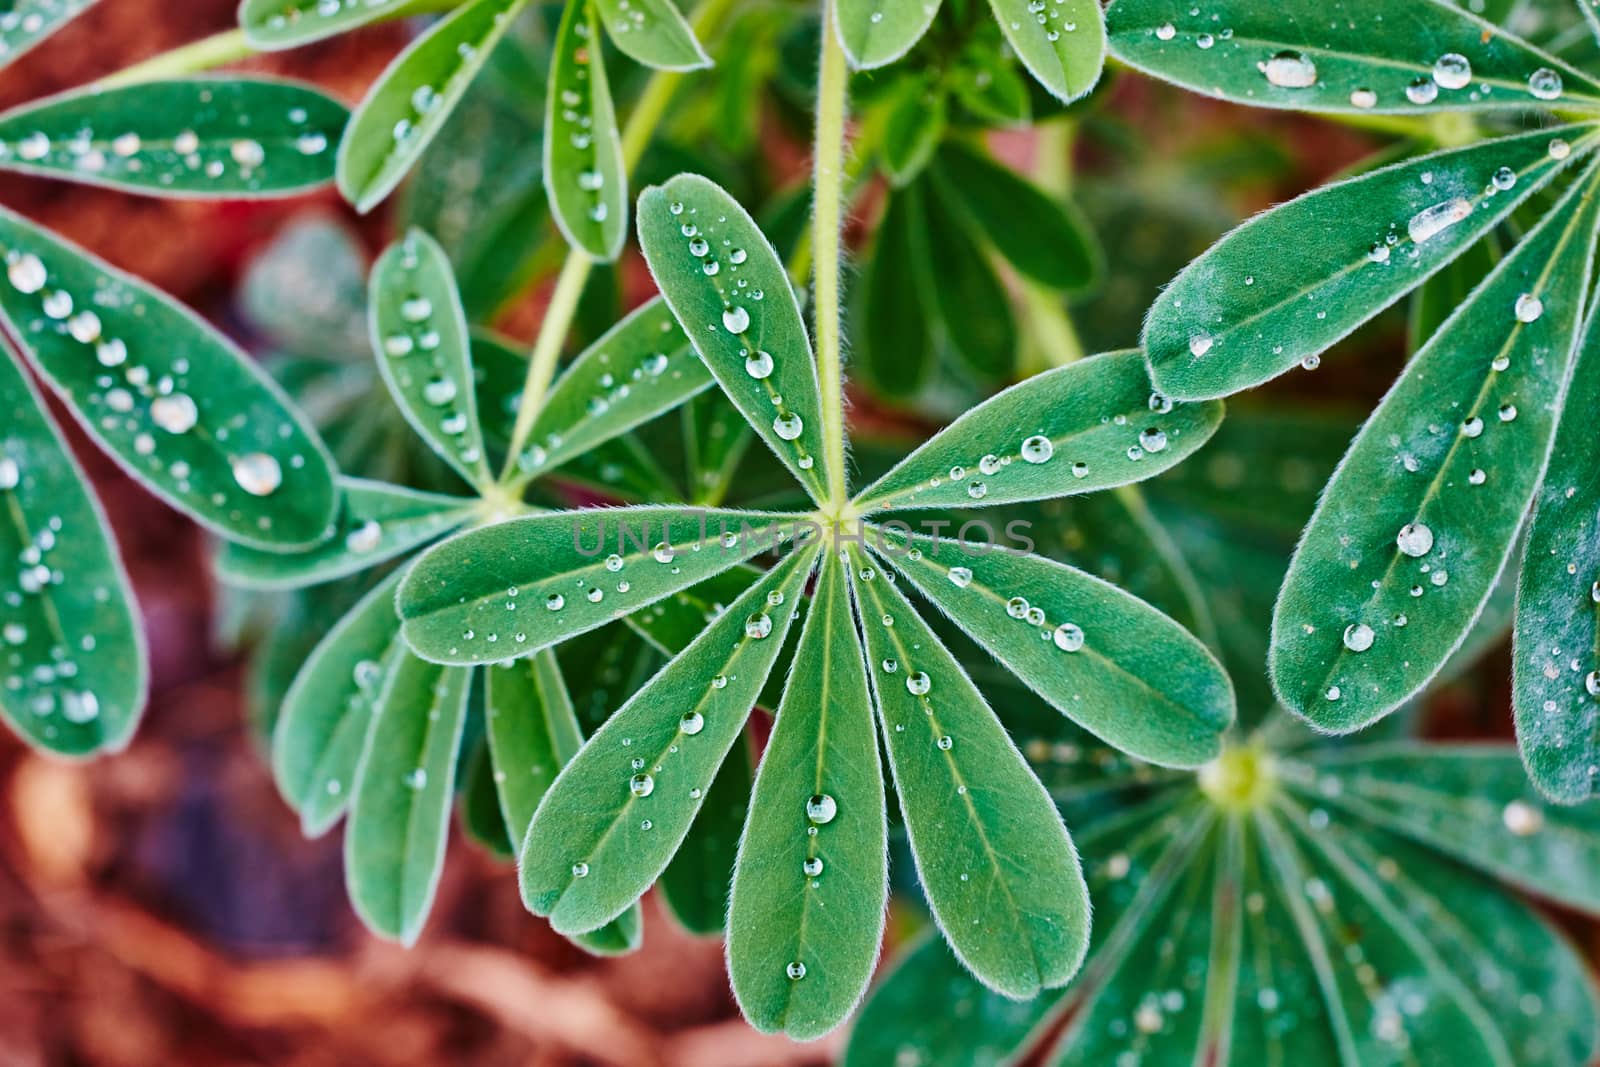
(449, 628)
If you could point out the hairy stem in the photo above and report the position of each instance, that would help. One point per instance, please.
(833, 81)
(647, 115)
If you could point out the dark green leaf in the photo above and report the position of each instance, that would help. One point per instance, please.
(893, 345)
(231, 137)
(70, 644)
(1105, 659)
(618, 812)
(972, 307)
(1248, 309)
(376, 523)
(998, 867)
(641, 367)
(584, 173)
(724, 282)
(812, 879)
(653, 32)
(419, 337)
(27, 22)
(174, 401)
(1038, 235)
(695, 884)
(912, 131)
(1422, 514)
(1348, 55)
(322, 729)
(400, 809)
(505, 590)
(480, 805)
(1091, 425)
(413, 97)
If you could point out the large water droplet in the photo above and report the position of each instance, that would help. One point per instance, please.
(692, 723)
(736, 320)
(821, 808)
(1544, 84)
(1038, 449)
(918, 683)
(1414, 539)
(1358, 637)
(1452, 71)
(257, 474)
(641, 785)
(1068, 637)
(1290, 70)
(960, 577)
(1430, 222)
(1528, 308)
(175, 413)
(787, 426)
(758, 626)
(758, 365)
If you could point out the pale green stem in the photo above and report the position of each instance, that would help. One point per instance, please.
(227, 47)
(647, 114)
(833, 81)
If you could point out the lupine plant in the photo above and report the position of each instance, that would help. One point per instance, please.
(1488, 420)
(1037, 616)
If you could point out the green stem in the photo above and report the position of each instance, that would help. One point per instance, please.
(642, 123)
(833, 82)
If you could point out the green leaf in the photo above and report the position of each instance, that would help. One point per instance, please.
(584, 173)
(652, 32)
(1471, 802)
(742, 317)
(306, 290)
(505, 590)
(322, 729)
(912, 131)
(988, 84)
(533, 733)
(273, 24)
(618, 812)
(812, 879)
(640, 368)
(376, 523)
(413, 97)
(70, 604)
(174, 401)
(695, 884)
(1441, 294)
(1104, 658)
(877, 32)
(480, 805)
(994, 859)
(400, 808)
(1357, 56)
(893, 346)
(972, 306)
(1037, 234)
(1063, 44)
(1554, 685)
(1091, 425)
(1422, 514)
(716, 440)
(1247, 311)
(230, 137)
(27, 22)
(419, 336)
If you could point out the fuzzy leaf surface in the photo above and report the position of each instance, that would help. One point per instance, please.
(995, 861)
(652, 32)
(1419, 519)
(66, 598)
(617, 813)
(170, 398)
(1063, 44)
(1246, 311)
(1092, 425)
(730, 293)
(878, 32)
(812, 879)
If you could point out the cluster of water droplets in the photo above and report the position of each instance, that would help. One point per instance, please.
(1067, 636)
(423, 366)
(28, 18)
(134, 403)
(311, 11)
(574, 116)
(1050, 15)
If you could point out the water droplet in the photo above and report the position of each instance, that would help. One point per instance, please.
(364, 538)
(580, 870)
(1591, 682)
(1017, 607)
(812, 867)
(960, 577)
(1199, 344)
(1472, 427)
(257, 474)
(26, 273)
(719, 682)
(1290, 70)
(736, 320)
(1522, 819)
(1504, 179)
(1430, 222)
(692, 723)
(1422, 91)
(758, 365)
(821, 808)
(787, 426)
(1507, 412)
(1038, 449)
(417, 778)
(439, 392)
(10, 474)
(1544, 84)
(1358, 637)
(613, 563)
(1333, 693)
(1559, 149)
(758, 626)
(1528, 308)
(1068, 637)
(1452, 71)
(1414, 539)
(945, 743)
(796, 970)
(175, 413)
(641, 785)
(1153, 439)
(890, 666)
(1363, 98)
(555, 602)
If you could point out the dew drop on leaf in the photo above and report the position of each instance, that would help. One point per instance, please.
(1290, 70)
(1358, 637)
(641, 785)
(1452, 71)
(1414, 539)
(821, 808)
